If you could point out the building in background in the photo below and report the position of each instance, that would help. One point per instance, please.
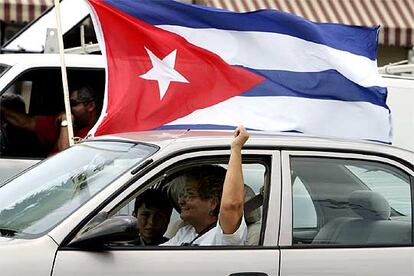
(396, 18)
(15, 14)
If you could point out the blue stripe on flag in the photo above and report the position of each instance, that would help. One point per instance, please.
(357, 40)
(329, 85)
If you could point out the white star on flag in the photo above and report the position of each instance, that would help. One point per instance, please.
(163, 71)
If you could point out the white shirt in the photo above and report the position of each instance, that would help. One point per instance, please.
(214, 236)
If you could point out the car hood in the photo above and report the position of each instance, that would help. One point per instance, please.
(16, 241)
(37, 255)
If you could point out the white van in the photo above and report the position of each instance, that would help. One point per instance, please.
(37, 78)
(401, 103)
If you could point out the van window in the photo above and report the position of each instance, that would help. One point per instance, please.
(73, 37)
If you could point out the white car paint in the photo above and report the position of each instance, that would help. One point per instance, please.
(27, 257)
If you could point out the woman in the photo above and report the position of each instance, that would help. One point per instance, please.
(214, 210)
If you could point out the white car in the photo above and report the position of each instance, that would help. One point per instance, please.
(317, 207)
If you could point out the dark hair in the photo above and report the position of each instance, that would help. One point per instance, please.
(13, 101)
(85, 93)
(14, 140)
(153, 198)
(210, 179)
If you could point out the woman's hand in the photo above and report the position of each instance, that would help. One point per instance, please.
(240, 137)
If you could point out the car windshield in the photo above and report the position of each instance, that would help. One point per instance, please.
(41, 198)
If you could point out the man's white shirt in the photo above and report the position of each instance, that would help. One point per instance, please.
(215, 236)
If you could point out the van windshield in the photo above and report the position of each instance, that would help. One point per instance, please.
(3, 68)
(41, 198)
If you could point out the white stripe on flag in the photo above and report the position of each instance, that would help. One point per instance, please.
(273, 51)
(310, 116)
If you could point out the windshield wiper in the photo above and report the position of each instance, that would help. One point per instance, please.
(6, 232)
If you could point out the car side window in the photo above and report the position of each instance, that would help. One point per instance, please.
(350, 202)
(173, 185)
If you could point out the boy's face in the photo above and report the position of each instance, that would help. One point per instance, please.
(152, 223)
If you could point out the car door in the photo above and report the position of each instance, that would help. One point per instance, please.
(259, 259)
(345, 214)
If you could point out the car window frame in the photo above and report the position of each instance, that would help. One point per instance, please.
(139, 184)
(27, 69)
(286, 233)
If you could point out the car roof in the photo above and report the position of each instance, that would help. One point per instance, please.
(43, 60)
(188, 139)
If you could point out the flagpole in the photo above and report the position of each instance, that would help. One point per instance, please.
(64, 74)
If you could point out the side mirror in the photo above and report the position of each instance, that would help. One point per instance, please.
(115, 229)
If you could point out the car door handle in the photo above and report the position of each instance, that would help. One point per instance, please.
(248, 274)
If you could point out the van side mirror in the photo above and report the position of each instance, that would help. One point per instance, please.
(115, 229)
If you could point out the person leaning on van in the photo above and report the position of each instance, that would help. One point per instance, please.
(51, 131)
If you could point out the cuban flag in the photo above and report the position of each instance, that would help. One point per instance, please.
(173, 65)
